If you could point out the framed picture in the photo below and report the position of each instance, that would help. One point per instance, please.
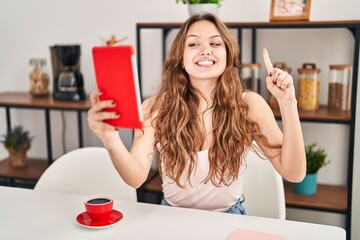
(290, 10)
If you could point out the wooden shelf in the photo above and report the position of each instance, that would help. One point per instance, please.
(33, 171)
(321, 115)
(25, 100)
(331, 198)
(154, 184)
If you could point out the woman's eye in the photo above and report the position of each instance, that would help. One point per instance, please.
(192, 44)
(215, 44)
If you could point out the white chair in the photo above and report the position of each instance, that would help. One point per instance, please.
(263, 189)
(85, 171)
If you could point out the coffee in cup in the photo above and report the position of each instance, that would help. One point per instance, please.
(99, 207)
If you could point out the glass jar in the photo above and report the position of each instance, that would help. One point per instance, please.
(250, 76)
(272, 100)
(39, 78)
(308, 87)
(339, 87)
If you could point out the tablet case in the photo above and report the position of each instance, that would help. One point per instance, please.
(117, 76)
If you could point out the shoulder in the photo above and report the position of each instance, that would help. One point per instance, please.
(148, 103)
(258, 107)
(149, 111)
(253, 98)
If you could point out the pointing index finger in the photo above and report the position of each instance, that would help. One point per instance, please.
(267, 61)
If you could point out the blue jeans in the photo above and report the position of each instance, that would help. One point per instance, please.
(237, 208)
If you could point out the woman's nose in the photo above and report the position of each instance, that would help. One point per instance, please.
(207, 51)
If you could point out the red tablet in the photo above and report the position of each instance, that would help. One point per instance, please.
(117, 76)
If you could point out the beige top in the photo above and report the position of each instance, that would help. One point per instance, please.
(199, 195)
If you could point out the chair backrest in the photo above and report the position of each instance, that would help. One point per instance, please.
(263, 189)
(85, 171)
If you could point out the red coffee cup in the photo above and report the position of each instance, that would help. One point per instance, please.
(99, 207)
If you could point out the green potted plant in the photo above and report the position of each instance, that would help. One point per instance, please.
(202, 6)
(315, 159)
(17, 141)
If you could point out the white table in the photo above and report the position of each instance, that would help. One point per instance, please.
(29, 214)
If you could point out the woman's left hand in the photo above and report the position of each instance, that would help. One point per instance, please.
(279, 83)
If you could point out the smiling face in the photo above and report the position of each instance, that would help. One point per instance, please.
(204, 53)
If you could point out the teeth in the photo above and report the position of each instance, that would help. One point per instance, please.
(206, 62)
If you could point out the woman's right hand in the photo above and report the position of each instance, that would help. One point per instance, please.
(96, 114)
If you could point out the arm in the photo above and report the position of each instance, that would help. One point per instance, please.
(289, 160)
(132, 166)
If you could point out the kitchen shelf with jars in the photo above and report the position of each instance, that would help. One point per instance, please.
(341, 107)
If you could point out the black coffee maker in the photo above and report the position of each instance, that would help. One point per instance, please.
(68, 80)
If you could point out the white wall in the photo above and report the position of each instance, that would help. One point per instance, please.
(28, 28)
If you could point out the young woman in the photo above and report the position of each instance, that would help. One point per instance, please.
(201, 123)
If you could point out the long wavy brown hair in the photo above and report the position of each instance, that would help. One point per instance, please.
(179, 132)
